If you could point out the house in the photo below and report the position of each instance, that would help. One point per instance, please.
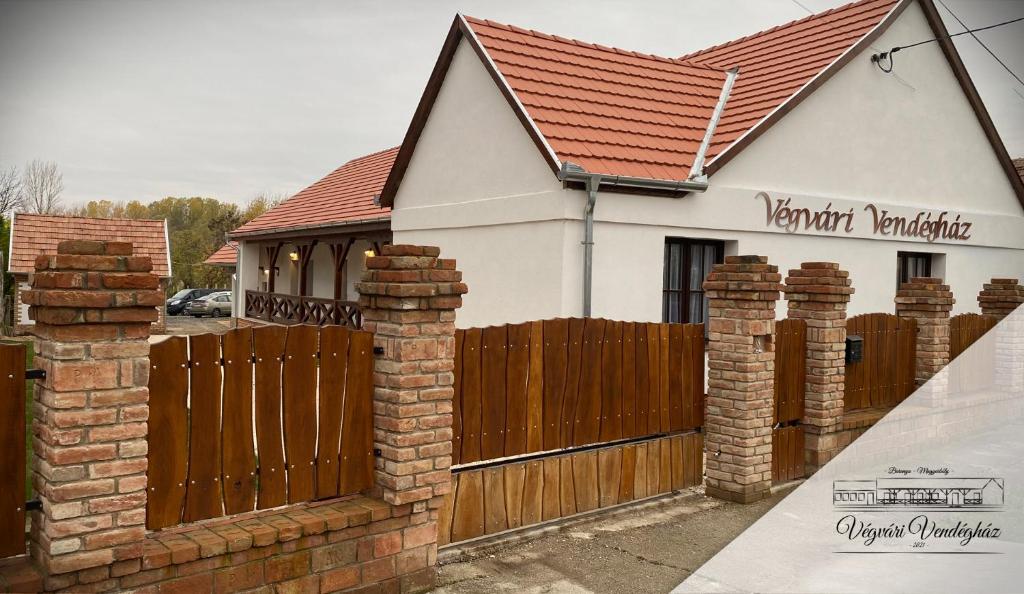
(35, 234)
(225, 257)
(569, 178)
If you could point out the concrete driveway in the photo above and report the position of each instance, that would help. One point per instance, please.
(187, 325)
(647, 549)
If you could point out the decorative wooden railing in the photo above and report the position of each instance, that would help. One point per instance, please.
(294, 309)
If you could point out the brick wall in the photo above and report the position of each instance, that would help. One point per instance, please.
(741, 363)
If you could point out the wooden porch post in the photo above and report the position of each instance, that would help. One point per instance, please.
(272, 251)
(305, 253)
(339, 253)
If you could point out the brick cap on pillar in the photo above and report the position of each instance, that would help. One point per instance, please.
(744, 278)
(818, 281)
(93, 290)
(1001, 296)
(410, 277)
(924, 294)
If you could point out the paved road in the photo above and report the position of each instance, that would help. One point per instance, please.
(187, 325)
(650, 550)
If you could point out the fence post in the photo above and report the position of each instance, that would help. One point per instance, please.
(741, 364)
(409, 297)
(1000, 298)
(928, 301)
(818, 293)
(93, 303)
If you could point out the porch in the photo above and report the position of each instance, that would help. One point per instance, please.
(305, 279)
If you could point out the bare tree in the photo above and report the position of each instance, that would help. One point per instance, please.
(41, 185)
(10, 190)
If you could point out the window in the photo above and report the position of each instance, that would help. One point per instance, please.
(687, 263)
(910, 265)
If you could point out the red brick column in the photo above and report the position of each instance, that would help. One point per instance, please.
(928, 301)
(1000, 297)
(409, 297)
(93, 303)
(818, 293)
(741, 364)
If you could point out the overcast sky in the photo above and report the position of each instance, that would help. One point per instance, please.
(146, 99)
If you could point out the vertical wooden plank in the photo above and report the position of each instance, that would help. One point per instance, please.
(697, 369)
(12, 449)
(640, 474)
(298, 389)
(168, 431)
(533, 491)
(584, 472)
(628, 475)
(556, 345)
(776, 457)
(654, 467)
(444, 515)
(690, 460)
(471, 397)
(675, 376)
(495, 519)
(333, 363)
(515, 388)
(609, 473)
(572, 382)
(535, 390)
(698, 458)
(551, 505)
(588, 409)
(686, 378)
(356, 468)
(665, 465)
(515, 476)
(268, 347)
(238, 474)
(629, 414)
(643, 386)
(665, 375)
(654, 378)
(567, 491)
(798, 453)
(676, 444)
(611, 382)
(493, 367)
(203, 494)
(468, 514)
(460, 339)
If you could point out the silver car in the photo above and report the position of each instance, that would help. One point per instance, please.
(214, 305)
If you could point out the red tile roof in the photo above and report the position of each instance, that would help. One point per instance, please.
(226, 255)
(776, 63)
(608, 110)
(34, 234)
(343, 196)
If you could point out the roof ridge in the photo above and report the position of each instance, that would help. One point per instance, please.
(817, 15)
(74, 216)
(594, 46)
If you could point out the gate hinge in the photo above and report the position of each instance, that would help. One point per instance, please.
(39, 374)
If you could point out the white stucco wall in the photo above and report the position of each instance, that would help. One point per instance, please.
(863, 136)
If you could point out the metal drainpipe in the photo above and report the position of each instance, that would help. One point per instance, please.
(593, 183)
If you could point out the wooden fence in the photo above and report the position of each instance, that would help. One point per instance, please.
(975, 368)
(966, 329)
(555, 384)
(12, 449)
(307, 392)
(790, 385)
(885, 376)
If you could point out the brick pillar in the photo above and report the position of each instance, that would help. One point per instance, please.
(409, 297)
(741, 365)
(93, 303)
(928, 301)
(817, 293)
(1000, 297)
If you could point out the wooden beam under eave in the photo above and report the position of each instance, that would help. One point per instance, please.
(339, 254)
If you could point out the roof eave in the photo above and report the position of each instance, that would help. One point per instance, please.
(381, 222)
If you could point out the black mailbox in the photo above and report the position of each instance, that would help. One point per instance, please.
(854, 349)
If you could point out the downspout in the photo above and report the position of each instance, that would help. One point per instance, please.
(593, 183)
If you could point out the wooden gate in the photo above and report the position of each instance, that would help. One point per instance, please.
(308, 392)
(790, 385)
(885, 375)
(595, 413)
(975, 368)
(12, 449)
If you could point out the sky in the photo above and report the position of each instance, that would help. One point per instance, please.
(138, 100)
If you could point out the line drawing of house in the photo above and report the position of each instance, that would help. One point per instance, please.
(931, 493)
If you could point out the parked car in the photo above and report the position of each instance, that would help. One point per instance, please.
(176, 304)
(214, 305)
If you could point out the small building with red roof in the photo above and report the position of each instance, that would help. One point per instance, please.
(35, 234)
(569, 178)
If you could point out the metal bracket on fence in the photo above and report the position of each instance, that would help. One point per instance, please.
(377, 453)
(378, 350)
(33, 505)
(39, 374)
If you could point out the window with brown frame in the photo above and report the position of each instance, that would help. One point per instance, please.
(687, 263)
(912, 264)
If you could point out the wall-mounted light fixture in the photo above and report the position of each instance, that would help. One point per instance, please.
(369, 253)
(293, 256)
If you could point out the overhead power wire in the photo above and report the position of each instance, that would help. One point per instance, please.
(982, 44)
(888, 56)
